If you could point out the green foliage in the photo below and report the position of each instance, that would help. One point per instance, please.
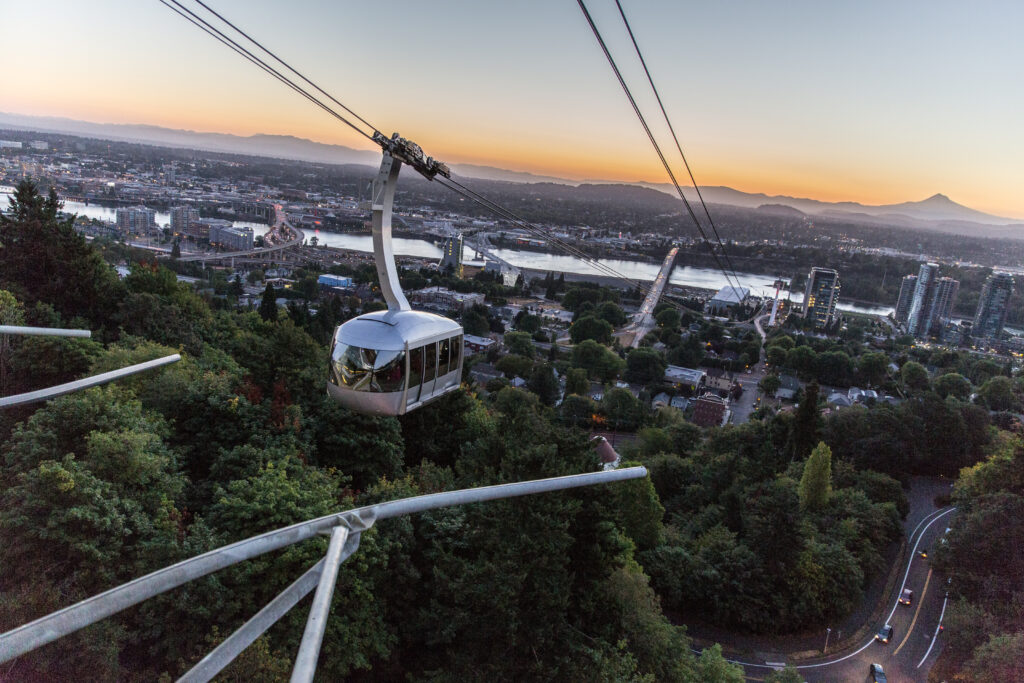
(622, 410)
(576, 382)
(520, 343)
(577, 411)
(645, 366)
(982, 554)
(816, 482)
(611, 312)
(806, 423)
(474, 322)
(769, 384)
(544, 383)
(669, 319)
(953, 384)
(914, 376)
(872, 368)
(1000, 660)
(590, 327)
(997, 394)
(640, 511)
(600, 362)
(514, 365)
(43, 259)
(239, 438)
(268, 304)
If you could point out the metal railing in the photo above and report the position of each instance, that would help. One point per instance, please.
(344, 529)
(77, 385)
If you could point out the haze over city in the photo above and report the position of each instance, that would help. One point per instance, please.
(874, 102)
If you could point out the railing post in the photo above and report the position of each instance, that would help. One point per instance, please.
(309, 650)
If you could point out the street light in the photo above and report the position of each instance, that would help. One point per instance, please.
(828, 632)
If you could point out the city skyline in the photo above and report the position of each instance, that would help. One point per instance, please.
(879, 103)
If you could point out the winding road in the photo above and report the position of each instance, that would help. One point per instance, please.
(917, 637)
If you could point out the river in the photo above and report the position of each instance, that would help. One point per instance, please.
(760, 284)
(109, 214)
(708, 278)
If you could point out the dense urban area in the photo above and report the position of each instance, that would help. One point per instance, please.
(800, 428)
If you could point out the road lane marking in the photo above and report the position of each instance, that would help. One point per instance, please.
(911, 560)
(941, 614)
(937, 514)
(920, 603)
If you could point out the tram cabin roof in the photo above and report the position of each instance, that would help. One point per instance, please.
(392, 330)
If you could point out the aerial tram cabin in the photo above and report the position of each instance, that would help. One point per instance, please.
(390, 362)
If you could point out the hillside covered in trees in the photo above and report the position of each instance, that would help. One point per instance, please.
(238, 438)
(773, 526)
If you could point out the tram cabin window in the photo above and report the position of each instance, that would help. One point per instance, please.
(430, 353)
(443, 352)
(415, 366)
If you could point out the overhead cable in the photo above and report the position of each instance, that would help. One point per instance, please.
(679, 147)
(452, 185)
(219, 35)
(654, 142)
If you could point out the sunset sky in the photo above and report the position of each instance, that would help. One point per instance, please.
(877, 102)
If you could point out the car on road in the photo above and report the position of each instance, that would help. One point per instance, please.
(885, 635)
(878, 674)
(906, 597)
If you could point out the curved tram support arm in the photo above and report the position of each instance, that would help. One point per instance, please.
(383, 250)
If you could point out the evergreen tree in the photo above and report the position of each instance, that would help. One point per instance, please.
(816, 482)
(806, 423)
(268, 306)
(543, 383)
(176, 249)
(42, 258)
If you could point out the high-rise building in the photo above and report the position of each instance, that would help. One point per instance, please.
(991, 314)
(182, 218)
(946, 289)
(919, 317)
(138, 219)
(451, 255)
(821, 296)
(906, 297)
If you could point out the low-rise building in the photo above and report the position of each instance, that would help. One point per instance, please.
(718, 379)
(709, 411)
(727, 298)
(446, 299)
(839, 400)
(334, 281)
(788, 387)
(679, 402)
(684, 376)
(475, 344)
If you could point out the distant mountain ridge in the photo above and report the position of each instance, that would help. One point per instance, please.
(937, 209)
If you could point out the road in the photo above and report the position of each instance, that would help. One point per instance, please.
(916, 641)
(643, 319)
(747, 402)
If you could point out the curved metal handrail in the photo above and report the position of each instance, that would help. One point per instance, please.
(70, 619)
(79, 384)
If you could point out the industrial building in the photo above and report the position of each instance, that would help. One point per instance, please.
(726, 298)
